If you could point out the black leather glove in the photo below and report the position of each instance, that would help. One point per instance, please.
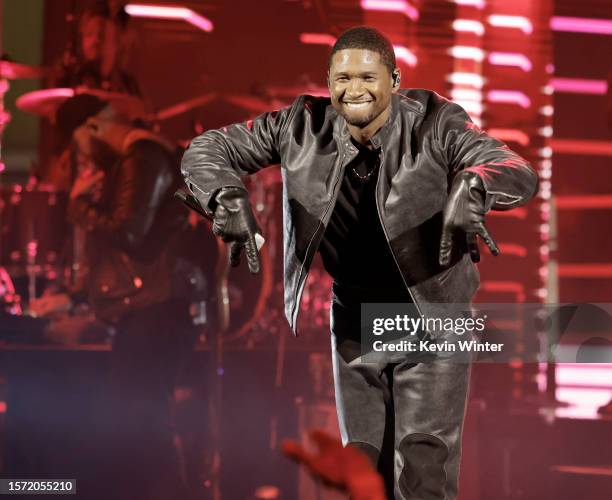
(464, 216)
(234, 222)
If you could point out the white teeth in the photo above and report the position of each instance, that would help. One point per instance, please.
(357, 105)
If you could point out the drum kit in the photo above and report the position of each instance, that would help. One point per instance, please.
(35, 240)
(32, 217)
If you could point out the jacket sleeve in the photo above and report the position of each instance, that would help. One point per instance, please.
(508, 179)
(218, 158)
(142, 184)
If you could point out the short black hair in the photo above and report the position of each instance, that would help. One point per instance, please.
(364, 37)
(73, 112)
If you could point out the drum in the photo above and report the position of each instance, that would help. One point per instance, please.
(33, 229)
(10, 300)
(234, 298)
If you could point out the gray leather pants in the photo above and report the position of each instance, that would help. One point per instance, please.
(407, 417)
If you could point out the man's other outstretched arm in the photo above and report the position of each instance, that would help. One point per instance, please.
(507, 178)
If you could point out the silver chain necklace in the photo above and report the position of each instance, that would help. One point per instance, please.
(369, 174)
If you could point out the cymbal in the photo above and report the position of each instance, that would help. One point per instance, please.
(293, 92)
(184, 106)
(46, 101)
(13, 71)
(248, 102)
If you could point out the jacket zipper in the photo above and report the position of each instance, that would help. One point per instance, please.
(387, 237)
(300, 290)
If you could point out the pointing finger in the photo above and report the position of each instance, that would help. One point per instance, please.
(252, 255)
(446, 245)
(235, 254)
(219, 220)
(488, 239)
(472, 245)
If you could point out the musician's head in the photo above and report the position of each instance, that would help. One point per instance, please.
(92, 35)
(99, 128)
(362, 76)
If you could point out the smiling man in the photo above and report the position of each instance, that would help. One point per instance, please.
(391, 187)
(360, 90)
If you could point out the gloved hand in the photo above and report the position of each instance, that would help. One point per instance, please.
(464, 216)
(234, 222)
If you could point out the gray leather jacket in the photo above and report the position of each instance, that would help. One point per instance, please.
(426, 141)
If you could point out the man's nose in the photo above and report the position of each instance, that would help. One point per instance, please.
(355, 88)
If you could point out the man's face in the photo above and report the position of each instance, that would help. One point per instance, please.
(360, 85)
(92, 38)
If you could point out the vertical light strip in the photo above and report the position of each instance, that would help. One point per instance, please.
(466, 79)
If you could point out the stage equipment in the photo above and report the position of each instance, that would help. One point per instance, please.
(46, 102)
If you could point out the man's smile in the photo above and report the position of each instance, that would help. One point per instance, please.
(356, 104)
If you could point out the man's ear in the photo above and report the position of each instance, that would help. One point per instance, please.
(328, 82)
(396, 75)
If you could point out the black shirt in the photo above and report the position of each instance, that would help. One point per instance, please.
(354, 249)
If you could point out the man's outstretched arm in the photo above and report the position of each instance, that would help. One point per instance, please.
(218, 158)
(485, 174)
